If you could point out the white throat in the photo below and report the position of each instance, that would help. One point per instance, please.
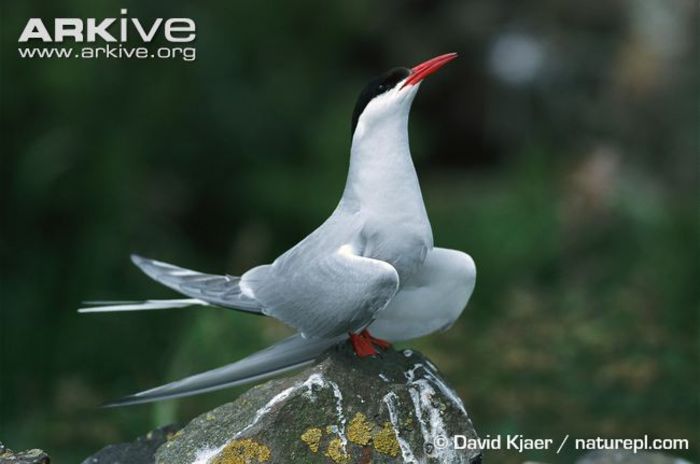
(381, 173)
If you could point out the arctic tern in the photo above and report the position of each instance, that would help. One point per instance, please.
(369, 273)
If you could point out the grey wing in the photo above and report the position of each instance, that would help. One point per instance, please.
(221, 290)
(326, 296)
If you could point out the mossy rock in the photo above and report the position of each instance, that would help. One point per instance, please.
(341, 410)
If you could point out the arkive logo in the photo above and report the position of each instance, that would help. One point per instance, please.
(120, 31)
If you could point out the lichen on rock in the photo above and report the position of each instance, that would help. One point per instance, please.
(337, 452)
(245, 451)
(312, 437)
(385, 441)
(360, 430)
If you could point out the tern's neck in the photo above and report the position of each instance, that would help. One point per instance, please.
(381, 170)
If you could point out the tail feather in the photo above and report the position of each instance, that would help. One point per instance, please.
(220, 290)
(288, 354)
(147, 305)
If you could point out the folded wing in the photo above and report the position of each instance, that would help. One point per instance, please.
(327, 295)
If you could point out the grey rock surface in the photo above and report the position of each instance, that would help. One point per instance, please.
(140, 451)
(340, 410)
(33, 456)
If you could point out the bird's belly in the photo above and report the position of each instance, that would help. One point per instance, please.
(432, 301)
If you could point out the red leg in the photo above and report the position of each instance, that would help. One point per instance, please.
(383, 344)
(362, 346)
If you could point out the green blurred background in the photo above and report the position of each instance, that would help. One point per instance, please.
(560, 151)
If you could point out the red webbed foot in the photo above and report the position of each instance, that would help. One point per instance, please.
(362, 345)
(381, 343)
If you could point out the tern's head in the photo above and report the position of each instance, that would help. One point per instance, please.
(390, 95)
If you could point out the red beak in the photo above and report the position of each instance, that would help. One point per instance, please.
(421, 71)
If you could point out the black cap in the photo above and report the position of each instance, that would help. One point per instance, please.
(377, 86)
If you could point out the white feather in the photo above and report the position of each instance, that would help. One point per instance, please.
(115, 306)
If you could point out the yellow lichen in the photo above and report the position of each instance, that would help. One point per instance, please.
(312, 437)
(360, 430)
(336, 452)
(385, 441)
(245, 451)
